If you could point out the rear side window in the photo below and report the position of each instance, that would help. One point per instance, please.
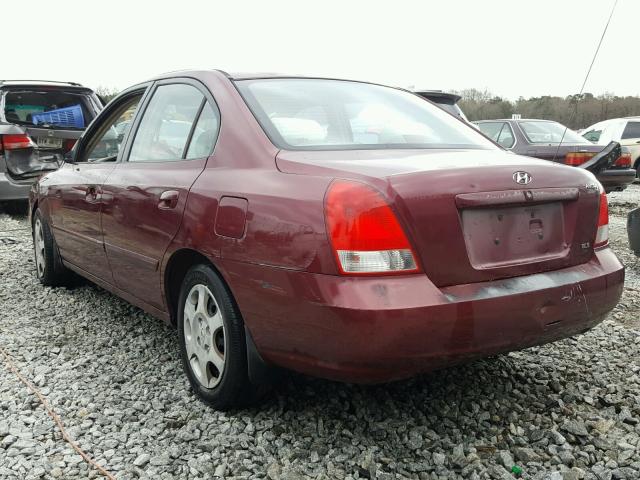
(49, 108)
(505, 137)
(166, 125)
(205, 134)
(491, 129)
(593, 135)
(632, 130)
(499, 132)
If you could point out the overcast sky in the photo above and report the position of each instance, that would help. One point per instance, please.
(513, 48)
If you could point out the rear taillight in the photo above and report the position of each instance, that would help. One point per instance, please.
(68, 144)
(365, 233)
(577, 158)
(602, 234)
(14, 142)
(624, 161)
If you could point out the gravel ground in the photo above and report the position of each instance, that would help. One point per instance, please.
(570, 410)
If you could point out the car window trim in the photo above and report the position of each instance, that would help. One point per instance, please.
(187, 145)
(208, 97)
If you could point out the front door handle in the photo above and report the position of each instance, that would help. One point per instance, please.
(168, 199)
(91, 194)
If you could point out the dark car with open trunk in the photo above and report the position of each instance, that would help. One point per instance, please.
(553, 141)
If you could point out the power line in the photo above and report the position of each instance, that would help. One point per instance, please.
(586, 77)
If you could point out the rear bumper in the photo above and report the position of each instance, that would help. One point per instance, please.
(617, 180)
(10, 190)
(370, 330)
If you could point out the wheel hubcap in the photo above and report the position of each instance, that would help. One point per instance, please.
(204, 336)
(38, 245)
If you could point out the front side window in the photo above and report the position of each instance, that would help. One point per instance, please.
(319, 114)
(632, 130)
(550, 132)
(106, 143)
(166, 124)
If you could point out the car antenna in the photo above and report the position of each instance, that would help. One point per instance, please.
(575, 110)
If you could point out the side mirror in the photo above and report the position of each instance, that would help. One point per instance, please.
(633, 230)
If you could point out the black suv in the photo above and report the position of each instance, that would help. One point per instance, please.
(39, 120)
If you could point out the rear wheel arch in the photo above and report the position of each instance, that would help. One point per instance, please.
(179, 263)
(260, 373)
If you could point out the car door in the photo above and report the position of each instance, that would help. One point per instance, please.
(77, 201)
(174, 135)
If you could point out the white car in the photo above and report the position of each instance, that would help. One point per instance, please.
(623, 130)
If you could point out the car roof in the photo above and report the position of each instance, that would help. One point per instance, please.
(516, 120)
(252, 76)
(39, 83)
(620, 118)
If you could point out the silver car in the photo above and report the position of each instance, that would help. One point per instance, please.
(39, 120)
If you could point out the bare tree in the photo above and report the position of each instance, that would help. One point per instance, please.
(575, 111)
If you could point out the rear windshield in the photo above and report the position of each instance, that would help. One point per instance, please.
(49, 108)
(550, 132)
(319, 114)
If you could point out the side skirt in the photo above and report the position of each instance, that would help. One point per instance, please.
(160, 314)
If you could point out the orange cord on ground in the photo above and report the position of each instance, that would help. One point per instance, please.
(11, 366)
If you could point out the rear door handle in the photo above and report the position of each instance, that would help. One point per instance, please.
(168, 199)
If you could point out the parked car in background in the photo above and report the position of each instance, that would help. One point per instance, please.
(39, 121)
(342, 229)
(541, 139)
(446, 101)
(626, 131)
(633, 230)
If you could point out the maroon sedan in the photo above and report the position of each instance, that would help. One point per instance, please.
(553, 141)
(342, 229)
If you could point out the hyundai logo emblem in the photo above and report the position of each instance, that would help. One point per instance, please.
(522, 178)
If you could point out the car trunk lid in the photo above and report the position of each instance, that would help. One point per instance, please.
(50, 141)
(557, 153)
(468, 219)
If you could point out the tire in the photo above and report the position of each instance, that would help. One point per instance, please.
(49, 268)
(16, 207)
(212, 341)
